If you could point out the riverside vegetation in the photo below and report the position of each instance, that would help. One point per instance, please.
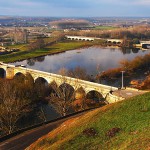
(138, 66)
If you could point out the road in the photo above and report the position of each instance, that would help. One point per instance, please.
(127, 93)
(25, 139)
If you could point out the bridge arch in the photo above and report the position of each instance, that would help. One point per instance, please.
(19, 76)
(66, 85)
(41, 81)
(67, 89)
(2, 73)
(135, 50)
(114, 42)
(109, 42)
(94, 95)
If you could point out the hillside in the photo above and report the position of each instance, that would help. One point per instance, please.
(121, 126)
(67, 24)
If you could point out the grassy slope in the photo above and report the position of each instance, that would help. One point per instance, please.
(55, 48)
(132, 116)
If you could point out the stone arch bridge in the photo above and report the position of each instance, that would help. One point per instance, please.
(83, 38)
(9, 71)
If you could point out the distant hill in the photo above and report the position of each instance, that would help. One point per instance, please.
(121, 126)
(67, 24)
(5, 17)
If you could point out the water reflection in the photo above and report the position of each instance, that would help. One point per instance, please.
(129, 51)
(31, 62)
(135, 50)
(88, 58)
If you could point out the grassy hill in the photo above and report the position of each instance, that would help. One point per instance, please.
(121, 126)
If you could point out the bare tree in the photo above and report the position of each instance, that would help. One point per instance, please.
(79, 73)
(38, 44)
(12, 108)
(63, 71)
(62, 96)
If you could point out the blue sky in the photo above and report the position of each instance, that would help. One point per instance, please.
(75, 8)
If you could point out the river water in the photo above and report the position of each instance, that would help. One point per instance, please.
(94, 59)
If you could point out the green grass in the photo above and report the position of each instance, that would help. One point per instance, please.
(105, 27)
(22, 47)
(131, 116)
(55, 48)
(62, 46)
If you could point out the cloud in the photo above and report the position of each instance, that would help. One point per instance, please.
(122, 2)
(142, 2)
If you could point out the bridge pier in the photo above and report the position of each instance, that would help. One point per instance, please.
(9, 73)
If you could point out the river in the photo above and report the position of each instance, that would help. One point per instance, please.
(94, 59)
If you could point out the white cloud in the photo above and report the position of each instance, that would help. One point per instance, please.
(26, 3)
(122, 2)
(142, 2)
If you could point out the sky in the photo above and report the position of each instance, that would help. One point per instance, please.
(76, 8)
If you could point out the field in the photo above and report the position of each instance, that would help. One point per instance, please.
(105, 27)
(121, 126)
(24, 53)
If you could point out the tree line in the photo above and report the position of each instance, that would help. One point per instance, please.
(139, 32)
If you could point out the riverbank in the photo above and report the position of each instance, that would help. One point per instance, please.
(49, 50)
(136, 72)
